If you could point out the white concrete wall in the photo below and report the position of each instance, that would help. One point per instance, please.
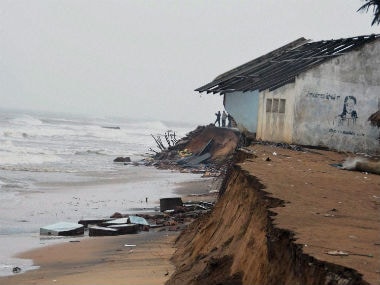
(243, 107)
(276, 126)
(315, 102)
(320, 98)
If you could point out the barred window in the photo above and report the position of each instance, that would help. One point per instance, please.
(269, 105)
(275, 105)
(282, 106)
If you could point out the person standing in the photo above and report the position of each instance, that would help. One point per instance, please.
(217, 118)
(224, 117)
(229, 118)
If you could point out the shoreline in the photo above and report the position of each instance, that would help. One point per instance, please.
(124, 191)
(106, 260)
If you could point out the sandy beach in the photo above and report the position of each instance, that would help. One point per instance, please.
(102, 260)
(143, 258)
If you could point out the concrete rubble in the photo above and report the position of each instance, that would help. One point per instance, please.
(62, 229)
(207, 150)
(170, 219)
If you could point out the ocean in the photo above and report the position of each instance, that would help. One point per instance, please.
(56, 167)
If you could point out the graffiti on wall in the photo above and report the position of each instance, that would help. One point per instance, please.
(349, 114)
(325, 96)
(346, 115)
(343, 132)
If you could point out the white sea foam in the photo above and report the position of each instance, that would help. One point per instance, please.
(91, 151)
(41, 142)
(12, 154)
(6, 267)
(26, 120)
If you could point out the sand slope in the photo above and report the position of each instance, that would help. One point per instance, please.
(281, 212)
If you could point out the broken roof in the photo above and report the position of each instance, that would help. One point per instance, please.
(282, 65)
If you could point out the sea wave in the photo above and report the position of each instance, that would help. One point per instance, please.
(91, 151)
(17, 159)
(6, 183)
(12, 185)
(12, 154)
(35, 168)
(26, 120)
(36, 131)
(27, 127)
(51, 142)
(10, 146)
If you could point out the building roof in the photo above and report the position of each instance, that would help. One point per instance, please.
(282, 65)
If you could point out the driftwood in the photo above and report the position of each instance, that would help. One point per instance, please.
(152, 150)
(173, 138)
(167, 139)
(158, 142)
(170, 138)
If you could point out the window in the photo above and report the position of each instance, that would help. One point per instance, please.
(282, 106)
(275, 105)
(269, 105)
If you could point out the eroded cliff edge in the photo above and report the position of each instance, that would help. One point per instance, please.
(240, 242)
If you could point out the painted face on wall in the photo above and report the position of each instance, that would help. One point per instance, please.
(350, 105)
(349, 114)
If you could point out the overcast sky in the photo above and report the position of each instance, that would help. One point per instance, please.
(144, 59)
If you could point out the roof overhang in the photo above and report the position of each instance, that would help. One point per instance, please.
(281, 66)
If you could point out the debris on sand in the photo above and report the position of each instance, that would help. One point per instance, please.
(16, 269)
(63, 229)
(362, 164)
(204, 150)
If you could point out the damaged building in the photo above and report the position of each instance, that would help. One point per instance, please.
(308, 93)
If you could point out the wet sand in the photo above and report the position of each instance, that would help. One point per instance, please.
(106, 260)
(102, 260)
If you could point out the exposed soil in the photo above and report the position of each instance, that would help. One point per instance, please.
(224, 141)
(281, 213)
(220, 143)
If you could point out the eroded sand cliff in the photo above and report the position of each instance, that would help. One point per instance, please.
(280, 214)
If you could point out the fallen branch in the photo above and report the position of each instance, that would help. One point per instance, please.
(158, 142)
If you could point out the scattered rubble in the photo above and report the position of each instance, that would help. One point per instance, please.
(173, 216)
(170, 203)
(206, 151)
(203, 151)
(126, 228)
(63, 229)
(87, 222)
(120, 221)
(282, 145)
(101, 231)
